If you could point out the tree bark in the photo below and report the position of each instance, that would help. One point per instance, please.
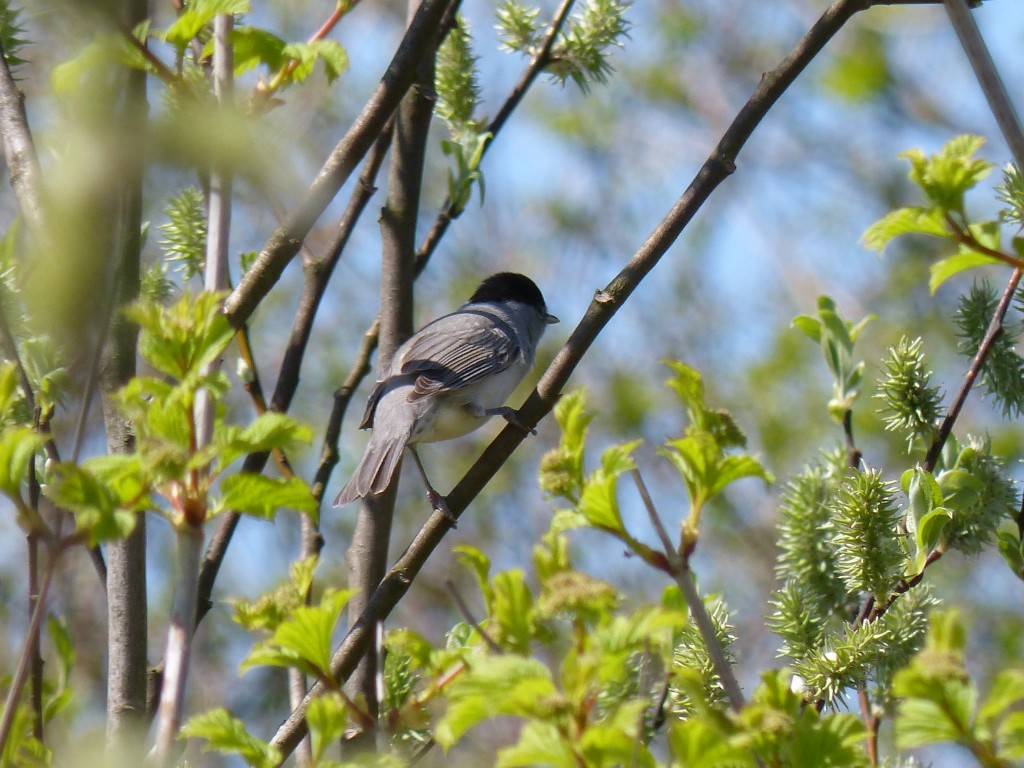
(127, 641)
(368, 553)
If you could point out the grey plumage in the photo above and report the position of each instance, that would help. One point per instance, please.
(450, 377)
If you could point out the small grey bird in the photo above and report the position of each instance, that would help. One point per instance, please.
(449, 378)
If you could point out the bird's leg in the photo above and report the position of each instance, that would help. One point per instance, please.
(511, 415)
(437, 501)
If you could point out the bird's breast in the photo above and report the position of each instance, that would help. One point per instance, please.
(460, 411)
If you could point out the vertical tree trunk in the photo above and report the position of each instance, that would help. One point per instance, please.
(126, 569)
(368, 553)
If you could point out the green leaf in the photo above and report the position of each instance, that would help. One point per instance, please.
(269, 431)
(1006, 692)
(479, 564)
(942, 270)
(905, 221)
(736, 467)
(198, 14)
(540, 743)
(508, 684)
(124, 475)
(254, 47)
(97, 510)
(698, 743)
(947, 175)
(17, 447)
(561, 471)
(263, 496)
(326, 716)
(183, 339)
(303, 640)
(64, 645)
(225, 733)
(615, 740)
(513, 610)
(932, 710)
(1010, 736)
(1010, 548)
(810, 326)
(687, 383)
(930, 529)
(330, 52)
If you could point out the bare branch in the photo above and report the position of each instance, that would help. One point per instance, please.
(534, 68)
(681, 573)
(25, 662)
(284, 242)
(988, 77)
(995, 328)
(113, 365)
(20, 151)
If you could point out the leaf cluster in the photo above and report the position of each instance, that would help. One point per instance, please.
(944, 179)
(940, 703)
(106, 493)
(836, 336)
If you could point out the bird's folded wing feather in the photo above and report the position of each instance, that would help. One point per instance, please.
(457, 350)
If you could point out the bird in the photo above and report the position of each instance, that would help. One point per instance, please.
(448, 379)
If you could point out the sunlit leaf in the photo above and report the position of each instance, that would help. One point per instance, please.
(225, 733)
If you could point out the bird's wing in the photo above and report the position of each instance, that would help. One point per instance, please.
(457, 350)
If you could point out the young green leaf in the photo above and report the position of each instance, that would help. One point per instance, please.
(97, 509)
(905, 221)
(198, 14)
(497, 685)
(17, 447)
(226, 733)
(303, 640)
(263, 496)
(326, 716)
(513, 612)
(1012, 550)
(269, 431)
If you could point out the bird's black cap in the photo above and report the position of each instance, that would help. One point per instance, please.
(510, 286)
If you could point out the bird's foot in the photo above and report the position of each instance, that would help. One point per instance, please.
(440, 504)
(511, 415)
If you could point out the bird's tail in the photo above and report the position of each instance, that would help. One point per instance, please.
(376, 469)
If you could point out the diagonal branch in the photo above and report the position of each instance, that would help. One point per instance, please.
(605, 304)
(537, 64)
(286, 239)
(20, 151)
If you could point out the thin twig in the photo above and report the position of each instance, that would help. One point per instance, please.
(671, 553)
(988, 77)
(468, 617)
(606, 303)
(995, 328)
(164, 73)
(284, 242)
(25, 661)
(870, 724)
(537, 64)
(318, 273)
(263, 91)
(680, 572)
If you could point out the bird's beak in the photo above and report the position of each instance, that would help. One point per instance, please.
(550, 319)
